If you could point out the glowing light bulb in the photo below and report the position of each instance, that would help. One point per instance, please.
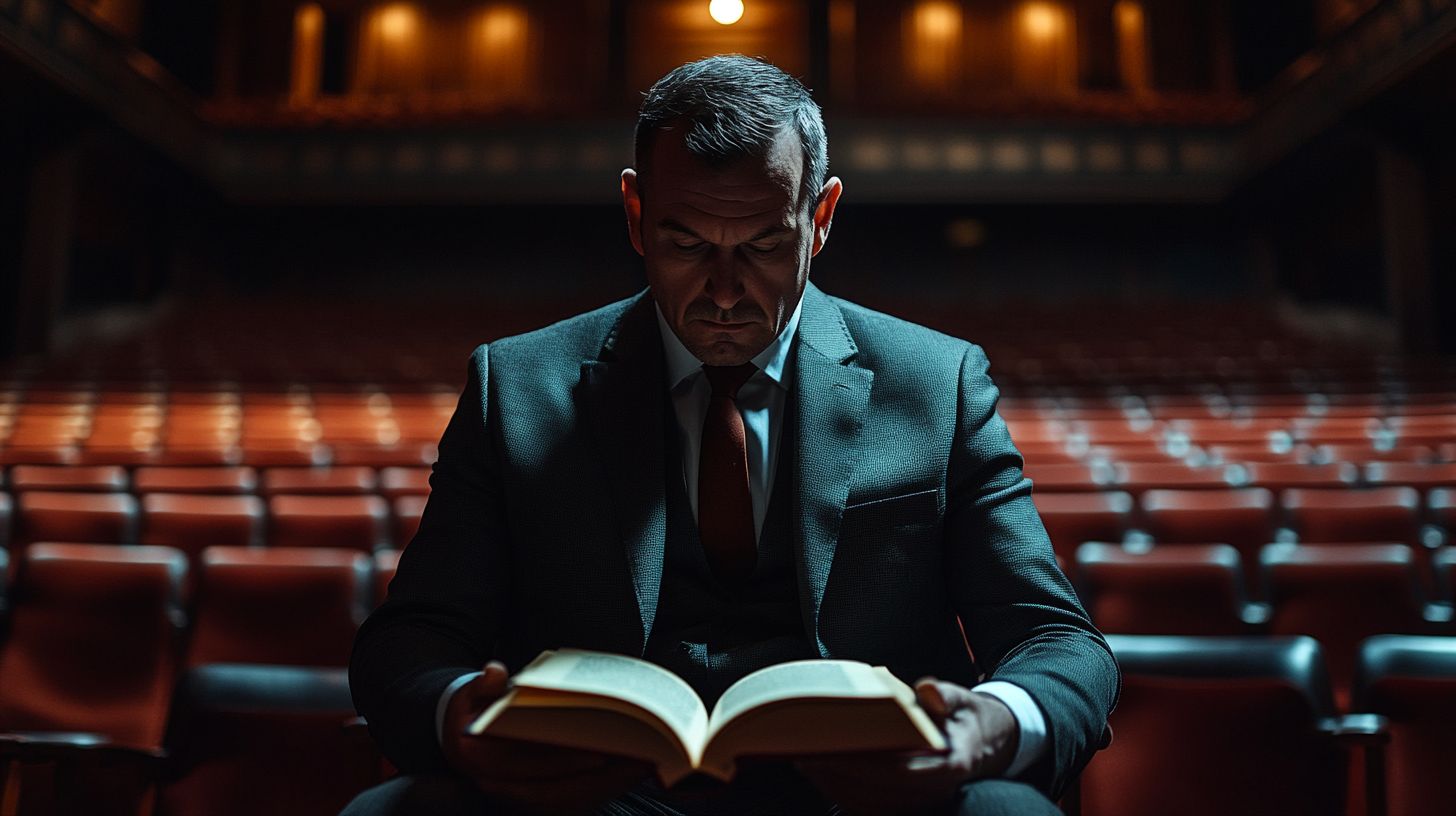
(1043, 20)
(726, 12)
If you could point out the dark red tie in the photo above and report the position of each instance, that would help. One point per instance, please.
(725, 505)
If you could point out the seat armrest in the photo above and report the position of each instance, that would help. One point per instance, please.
(1358, 730)
(1256, 614)
(47, 746)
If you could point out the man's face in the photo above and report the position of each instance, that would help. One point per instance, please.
(727, 250)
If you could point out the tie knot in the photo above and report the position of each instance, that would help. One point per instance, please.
(726, 380)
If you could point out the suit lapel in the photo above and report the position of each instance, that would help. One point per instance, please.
(831, 398)
(623, 402)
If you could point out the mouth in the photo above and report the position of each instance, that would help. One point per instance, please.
(715, 325)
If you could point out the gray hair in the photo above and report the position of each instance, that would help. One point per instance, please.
(735, 107)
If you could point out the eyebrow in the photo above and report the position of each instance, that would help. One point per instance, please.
(677, 226)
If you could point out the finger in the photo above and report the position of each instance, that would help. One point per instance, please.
(928, 692)
(493, 679)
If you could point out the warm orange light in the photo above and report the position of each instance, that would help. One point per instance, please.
(1042, 21)
(1132, 45)
(933, 50)
(501, 27)
(398, 21)
(726, 12)
(308, 49)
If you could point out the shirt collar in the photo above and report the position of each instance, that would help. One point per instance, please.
(772, 361)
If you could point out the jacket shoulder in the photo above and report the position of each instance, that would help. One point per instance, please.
(885, 339)
(568, 342)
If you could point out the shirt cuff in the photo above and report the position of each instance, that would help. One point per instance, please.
(460, 682)
(1029, 721)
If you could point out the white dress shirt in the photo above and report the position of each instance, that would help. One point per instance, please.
(761, 402)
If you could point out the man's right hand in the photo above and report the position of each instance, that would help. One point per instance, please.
(543, 779)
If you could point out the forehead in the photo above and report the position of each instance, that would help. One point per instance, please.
(684, 185)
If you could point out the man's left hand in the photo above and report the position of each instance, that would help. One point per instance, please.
(982, 735)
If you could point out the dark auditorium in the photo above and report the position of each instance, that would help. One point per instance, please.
(727, 407)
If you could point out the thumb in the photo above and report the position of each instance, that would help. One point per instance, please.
(485, 689)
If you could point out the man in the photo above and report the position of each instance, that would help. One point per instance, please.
(729, 471)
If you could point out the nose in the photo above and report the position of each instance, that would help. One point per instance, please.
(724, 285)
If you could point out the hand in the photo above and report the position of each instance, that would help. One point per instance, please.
(542, 779)
(982, 735)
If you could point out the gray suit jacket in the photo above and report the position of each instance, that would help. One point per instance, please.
(547, 521)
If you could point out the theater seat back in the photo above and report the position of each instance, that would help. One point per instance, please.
(93, 641)
(1217, 726)
(1412, 680)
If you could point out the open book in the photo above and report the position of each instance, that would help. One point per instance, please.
(629, 707)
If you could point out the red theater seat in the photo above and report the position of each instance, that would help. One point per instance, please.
(1066, 478)
(7, 513)
(1341, 595)
(1423, 476)
(191, 523)
(1072, 518)
(319, 481)
(404, 481)
(1361, 454)
(408, 510)
(209, 480)
(266, 740)
(90, 518)
(1412, 681)
(83, 479)
(404, 454)
(1243, 518)
(1442, 505)
(288, 605)
(355, 522)
(1378, 514)
(1188, 589)
(1217, 726)
(1443, 563)
(1278, 476)
(386, 562)
(1137, 477)
(93, 642)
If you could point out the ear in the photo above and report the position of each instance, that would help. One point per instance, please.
(632, 202)
(824, 212)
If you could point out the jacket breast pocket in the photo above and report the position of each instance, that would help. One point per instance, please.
(896, 512)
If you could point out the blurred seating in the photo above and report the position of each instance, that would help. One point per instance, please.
(1362, 454)
(190, 522)
(252, 739)
(1188, 589)
(408, 510)
(81, 479)
(404, 481)
(201, 479)
(7, 514)
(1279, 476)
(289, 605)
(1341, 595)
(1412, 682)
(319, 481)
(88, 663)
(1242, 518)
(1067, 478)
(1072, 518)
(1375, 514)
(1182, 730)
(90, 518)
(1139, 477)
(354, 522)
(386, 562)
(405, 454)
(1422, 476)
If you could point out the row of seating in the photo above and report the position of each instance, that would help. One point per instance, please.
(1338, 594)
(1165, 473)
(390, 482)
(97, 637)
(219, 428)
(1208, 725)
(1247, 518)
(191, 522)
(1214, 725)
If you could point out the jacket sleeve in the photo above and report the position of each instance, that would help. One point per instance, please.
(1021, 617)
(448, 601)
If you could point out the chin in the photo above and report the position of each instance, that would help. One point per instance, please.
(723, 353)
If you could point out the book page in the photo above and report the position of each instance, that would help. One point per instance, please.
(638, 682)
(801, 678)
